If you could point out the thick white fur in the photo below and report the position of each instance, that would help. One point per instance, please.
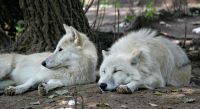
(141, 60)
(75, 64)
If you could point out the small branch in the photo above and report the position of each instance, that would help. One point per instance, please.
(166, 5)
(115, 20)
(82, 103)
(118, 15)
(97, 13)
(101, 17)
(75, 97)
(88, 7)
(185, 34)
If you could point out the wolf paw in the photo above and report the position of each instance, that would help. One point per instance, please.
(123, 89)
(41, 89)
(10, 91)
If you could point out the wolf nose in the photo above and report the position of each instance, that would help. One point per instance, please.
(103, 86)
(44, 63)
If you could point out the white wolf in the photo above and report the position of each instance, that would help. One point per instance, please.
(73, 62)
(143, 60)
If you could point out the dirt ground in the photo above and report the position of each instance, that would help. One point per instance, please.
(166, 98)
(90, 97)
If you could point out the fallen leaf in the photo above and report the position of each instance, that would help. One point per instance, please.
(162, 23)
(189, 100)
(61, 92)
(52, 96)
(35, 103)
(63, 102)
(102, 105)
(91, 105)
(152, 104)
(72, 102)
(124, 106)
(50, 101)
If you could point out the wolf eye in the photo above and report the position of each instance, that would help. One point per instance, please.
(133, 63)
(60, 49)
(115, 71)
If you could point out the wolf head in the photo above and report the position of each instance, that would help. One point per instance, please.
(67, 51)
(118, 70)
(71, 38)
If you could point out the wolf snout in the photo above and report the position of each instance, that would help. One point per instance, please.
(44, 63)
(103, 86)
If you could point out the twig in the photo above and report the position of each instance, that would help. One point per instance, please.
(101, 17)
(75, 97)
(97, 13)
(115, 21)
(131, 7)
(118, 15)
(82, 103)
(185, 34)
(172, 37)
(166, 6)
(88, 7)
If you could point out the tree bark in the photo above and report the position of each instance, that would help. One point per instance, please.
(5, 42)
(10, 13)
(44, 19)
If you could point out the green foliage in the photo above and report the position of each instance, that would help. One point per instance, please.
(103, 2)
(82, 3)
(129, 18)
(150, 9)
(19, 28)
(117, 4)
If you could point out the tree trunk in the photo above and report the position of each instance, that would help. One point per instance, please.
(5, 42)
(44, 19)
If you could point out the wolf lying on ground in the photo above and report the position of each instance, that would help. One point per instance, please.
(73, 62)
(142, 60)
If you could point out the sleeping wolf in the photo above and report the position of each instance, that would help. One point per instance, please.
(142, 60)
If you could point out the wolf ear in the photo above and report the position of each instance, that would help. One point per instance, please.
(104, 53)
(135, 57)
(76, 36)
(67, 28)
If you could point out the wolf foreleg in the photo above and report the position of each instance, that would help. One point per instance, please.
(11, 90)
(128, 88)
(50, 85)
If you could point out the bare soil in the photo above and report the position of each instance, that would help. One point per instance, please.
(166, 98)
